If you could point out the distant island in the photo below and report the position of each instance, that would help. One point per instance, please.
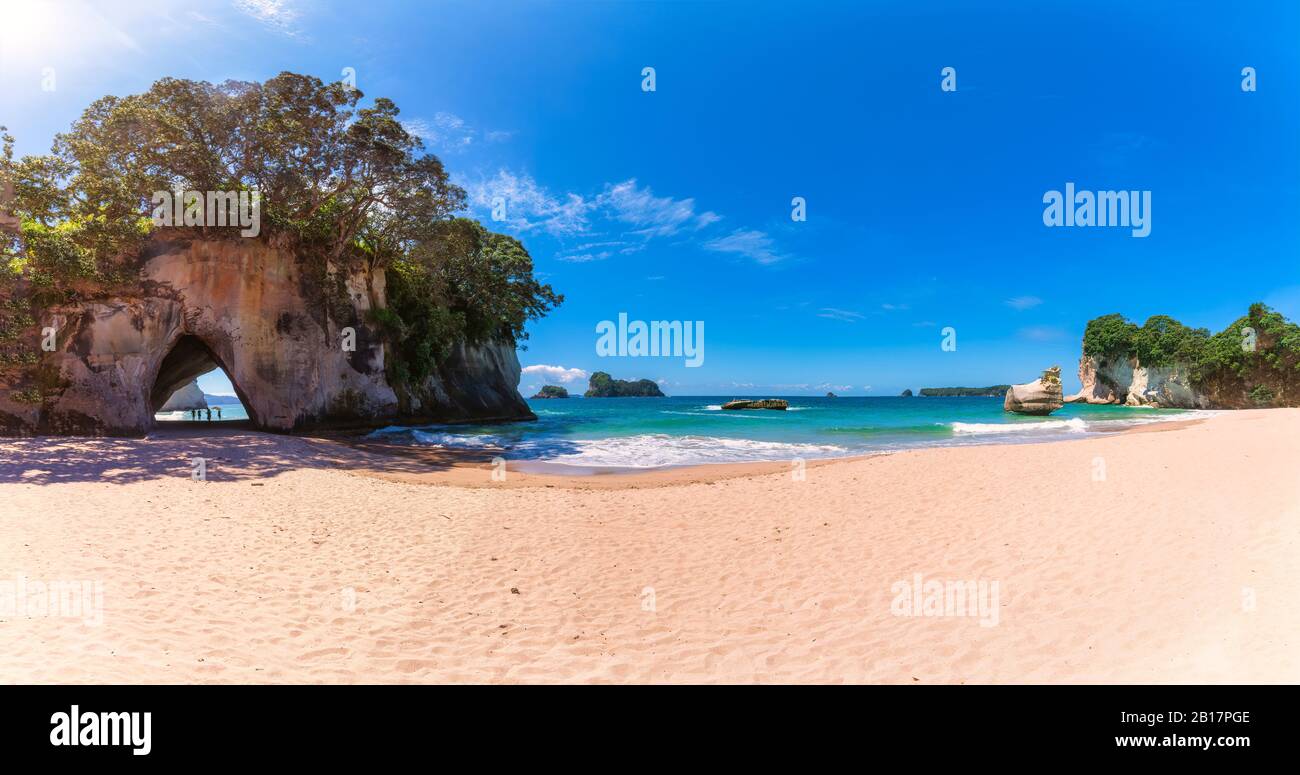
(215, 400)
(552, 391)
(997, 391)
(906, 393)
(601, 385)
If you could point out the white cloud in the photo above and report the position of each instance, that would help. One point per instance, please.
(583, 258)
(847, 316)
(553, 374)
(447, 131)
(893, 307)
(1024, 302)
(530, 206)
(279, 15)
(655, 216)
(749, 243)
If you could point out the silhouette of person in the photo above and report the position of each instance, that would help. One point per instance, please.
(218, 413)
(209, 415)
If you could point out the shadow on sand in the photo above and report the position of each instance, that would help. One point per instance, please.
(233, 451)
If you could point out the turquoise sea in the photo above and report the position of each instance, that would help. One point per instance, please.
(583, 434)
(230, 410)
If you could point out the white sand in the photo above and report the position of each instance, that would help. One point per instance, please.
(1181, 566)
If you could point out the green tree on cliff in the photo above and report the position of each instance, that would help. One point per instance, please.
(346, 187)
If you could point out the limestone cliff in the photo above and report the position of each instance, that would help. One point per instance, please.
(1123, 380)
(1252, 363)
(188, 397)
(299, 356)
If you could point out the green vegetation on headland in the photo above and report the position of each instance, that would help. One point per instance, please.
(344, 188)
(601, 385)
(552, 391)
(1254, 361)
(992, 390)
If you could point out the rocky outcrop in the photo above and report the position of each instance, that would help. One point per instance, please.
(601, 385)
(188, 397)
(1040, 397)
(1122, 380)
(261, 315)
(906, 393)
(552, 391)
(757, 403)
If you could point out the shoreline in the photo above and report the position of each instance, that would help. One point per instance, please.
(1155, 555)
(472, 467)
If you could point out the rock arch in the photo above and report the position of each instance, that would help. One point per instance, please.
(260, 314)
(189, 358)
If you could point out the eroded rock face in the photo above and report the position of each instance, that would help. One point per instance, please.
(1040, 397)
(1124, 381)
(188, 397)
(244, 306)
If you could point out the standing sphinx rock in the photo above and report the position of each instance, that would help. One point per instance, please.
(1040, 397)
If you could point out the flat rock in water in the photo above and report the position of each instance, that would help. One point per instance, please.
(758, 403)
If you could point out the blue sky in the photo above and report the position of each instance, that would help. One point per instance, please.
(924, 207)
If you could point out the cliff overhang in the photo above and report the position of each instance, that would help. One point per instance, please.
(298, 360)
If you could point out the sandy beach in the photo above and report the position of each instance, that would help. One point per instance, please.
(1168, 554)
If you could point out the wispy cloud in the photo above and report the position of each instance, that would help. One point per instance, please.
(654, 216)
(1024, 302)
(583, 258)
(750, 243)
(449, 132)
(279, 15)
(893, 307)
(555, 373)
(845, 315)
(529, 206)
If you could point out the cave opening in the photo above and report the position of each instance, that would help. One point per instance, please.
(193, 386)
